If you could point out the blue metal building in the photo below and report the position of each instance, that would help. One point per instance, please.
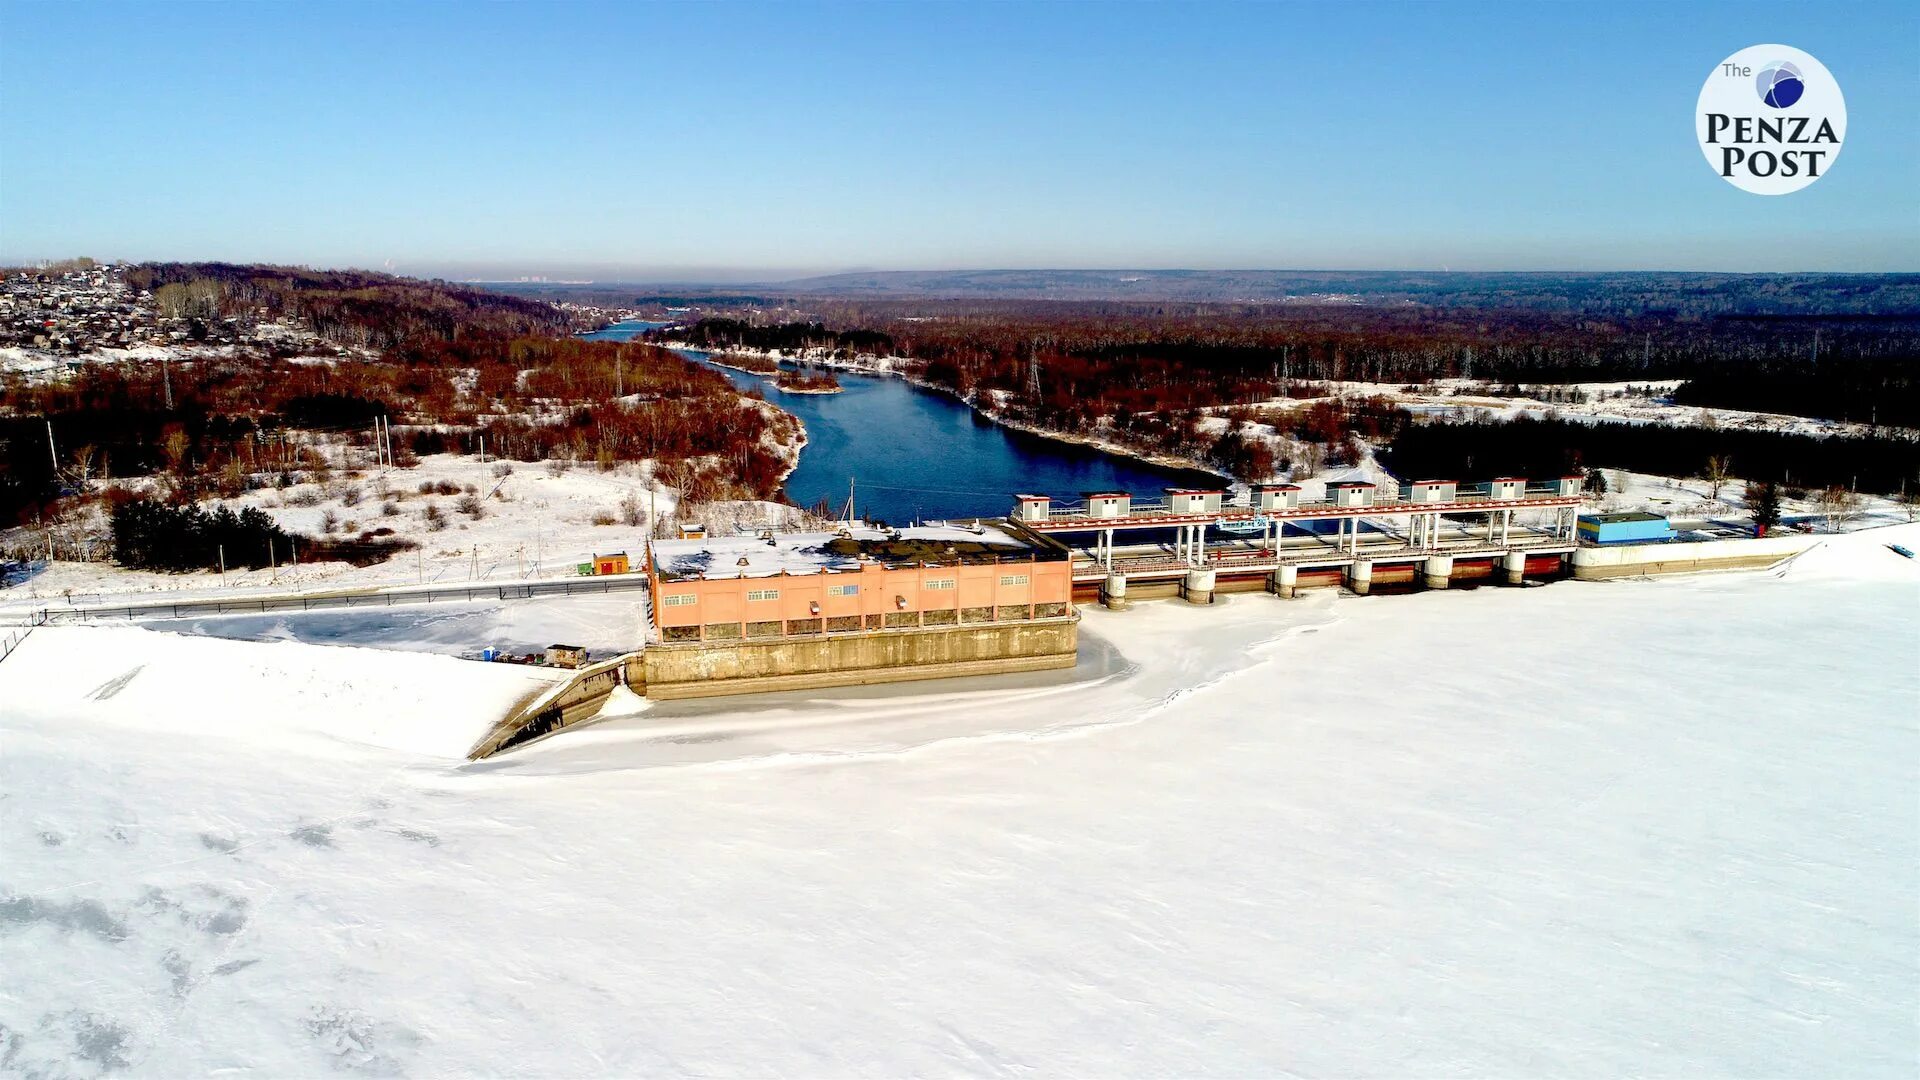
(1632, 527)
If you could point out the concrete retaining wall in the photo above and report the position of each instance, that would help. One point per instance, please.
(711, 670)
(574, 700)
(1634, 560)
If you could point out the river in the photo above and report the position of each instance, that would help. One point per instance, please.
(917, 453)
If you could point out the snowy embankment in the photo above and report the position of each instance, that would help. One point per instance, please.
(1629, 828)
(277, 697)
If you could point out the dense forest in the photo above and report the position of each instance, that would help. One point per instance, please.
(1529, 446)
(1063, 365)
(723, 333)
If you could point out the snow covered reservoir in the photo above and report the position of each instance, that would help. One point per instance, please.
(270, 858)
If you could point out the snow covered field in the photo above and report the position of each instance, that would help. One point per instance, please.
(1657, 828)
(536, 521)
(1617, 402)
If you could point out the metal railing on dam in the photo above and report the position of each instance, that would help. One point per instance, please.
(368, 597)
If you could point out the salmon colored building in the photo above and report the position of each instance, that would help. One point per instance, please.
(859, 580)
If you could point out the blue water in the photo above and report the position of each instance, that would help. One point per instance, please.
(621, 331)
(915, 453)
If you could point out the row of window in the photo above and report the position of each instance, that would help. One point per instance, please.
(686, 599)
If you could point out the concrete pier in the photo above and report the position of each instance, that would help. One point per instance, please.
(1437, 571)
(1286, 581)
(1198, 588)
(1514, 565)
(1360, 577)
(1113, 592)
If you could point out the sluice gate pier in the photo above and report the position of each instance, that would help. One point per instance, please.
(1194, 544)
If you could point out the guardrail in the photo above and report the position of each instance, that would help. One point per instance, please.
(12, 641)
(372, 597)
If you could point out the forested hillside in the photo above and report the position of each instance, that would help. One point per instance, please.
(443, 365)
(347, 307)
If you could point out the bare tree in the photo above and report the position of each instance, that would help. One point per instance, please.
(1839, 506)
(1719, 471)
(83, 459)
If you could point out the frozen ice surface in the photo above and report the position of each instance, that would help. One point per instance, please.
(1656, 828)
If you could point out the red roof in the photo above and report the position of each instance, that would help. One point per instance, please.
(1034, 498)
(1108, 494)
(1348, 483)
(1276, 487)
(1196, 491)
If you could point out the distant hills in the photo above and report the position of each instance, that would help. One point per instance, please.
(1626, 292)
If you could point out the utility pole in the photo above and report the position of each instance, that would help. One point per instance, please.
(53, 454)
(620, 374)
(223, 566)
(166, 380)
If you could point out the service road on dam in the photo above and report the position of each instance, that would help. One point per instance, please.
(373, 596)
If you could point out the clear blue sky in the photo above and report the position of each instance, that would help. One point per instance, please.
(721, 140)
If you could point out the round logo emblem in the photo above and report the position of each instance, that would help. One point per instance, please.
(1770, 119)
(1780, 84)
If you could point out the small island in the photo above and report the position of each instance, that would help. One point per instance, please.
(795, 382)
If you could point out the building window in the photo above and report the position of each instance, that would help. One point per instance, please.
(1013, 579)
(679, 600)
(763, 594)
(940, 583)
(843, 590)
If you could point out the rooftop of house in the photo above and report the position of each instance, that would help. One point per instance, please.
(1621, 516)
(765, 555)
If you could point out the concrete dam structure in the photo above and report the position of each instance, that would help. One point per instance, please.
(866, 605)
(1429, 533)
